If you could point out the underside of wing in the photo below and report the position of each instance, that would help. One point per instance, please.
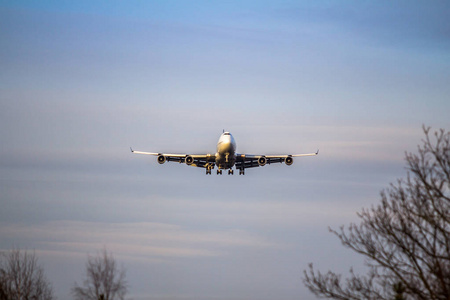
(199, 160)
(194, 160)
(252, 161)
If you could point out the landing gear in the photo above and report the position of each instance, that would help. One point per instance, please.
(241, 171)
(209, 167)
(230, 172)
(219, 172)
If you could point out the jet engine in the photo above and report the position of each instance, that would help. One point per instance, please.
(161, 159)
(262, 161)
(289, 160)
(189, 160)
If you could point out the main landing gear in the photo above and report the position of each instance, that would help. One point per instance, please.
(208, 169)
(219, 172)
(230, 171)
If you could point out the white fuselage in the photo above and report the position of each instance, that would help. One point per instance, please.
(226, 151)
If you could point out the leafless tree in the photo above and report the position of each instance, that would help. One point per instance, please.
(405, 239)
(103, 279)
(21, 278)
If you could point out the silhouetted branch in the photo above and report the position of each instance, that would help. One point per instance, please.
(405, 238)
(22, 278)
(103, 279)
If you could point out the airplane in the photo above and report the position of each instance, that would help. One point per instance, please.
(225, 158)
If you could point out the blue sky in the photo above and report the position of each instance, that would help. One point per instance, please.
(82, 81)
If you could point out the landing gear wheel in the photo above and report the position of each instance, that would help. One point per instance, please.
(230, 172)
(241, 172)
(219, 172)
(208, 171)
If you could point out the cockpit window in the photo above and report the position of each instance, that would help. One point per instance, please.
(226, 133)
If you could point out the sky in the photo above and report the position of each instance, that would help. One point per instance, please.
(82, 81)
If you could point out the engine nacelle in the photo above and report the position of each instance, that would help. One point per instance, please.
(289, 160)
(262, 161)
(161, 159)
(189, 160)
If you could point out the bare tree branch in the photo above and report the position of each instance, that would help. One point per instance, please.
(103, 279)
(22, 278)
(405, 238)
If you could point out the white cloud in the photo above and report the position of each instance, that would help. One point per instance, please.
(145, 240)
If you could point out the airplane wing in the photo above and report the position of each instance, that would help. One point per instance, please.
(194, 160)
(244, 161)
